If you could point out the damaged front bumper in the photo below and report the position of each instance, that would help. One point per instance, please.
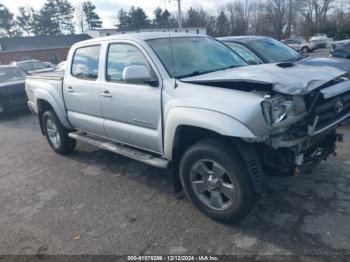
(311, 138)
(301, 155)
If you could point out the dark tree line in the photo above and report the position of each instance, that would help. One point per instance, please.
(56, 17)
(277, 18)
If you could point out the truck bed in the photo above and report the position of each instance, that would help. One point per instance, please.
(54, 75)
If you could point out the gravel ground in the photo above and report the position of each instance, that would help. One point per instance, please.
(95, 202)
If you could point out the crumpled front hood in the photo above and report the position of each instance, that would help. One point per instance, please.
(296, 80)
(341, 63)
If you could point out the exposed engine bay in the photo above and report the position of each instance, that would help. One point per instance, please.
(304, 127)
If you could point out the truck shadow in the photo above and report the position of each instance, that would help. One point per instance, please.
(110, 164)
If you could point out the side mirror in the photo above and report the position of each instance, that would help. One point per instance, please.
(137, 74)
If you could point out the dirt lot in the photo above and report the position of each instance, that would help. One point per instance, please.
(95, 202)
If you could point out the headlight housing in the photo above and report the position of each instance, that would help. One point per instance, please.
(277, 109)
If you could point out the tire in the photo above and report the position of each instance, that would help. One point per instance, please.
(224, 193)
(56, 134)
(305, 50)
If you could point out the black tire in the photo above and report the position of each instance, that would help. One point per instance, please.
(305, 50)
(223, 155)
(65, 144)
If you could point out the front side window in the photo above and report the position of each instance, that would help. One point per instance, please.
(244, 53)
(190, 56)
(85, 62)
(120, 56)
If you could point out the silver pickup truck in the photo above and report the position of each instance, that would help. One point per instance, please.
(190, 103)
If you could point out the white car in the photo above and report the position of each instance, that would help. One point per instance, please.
(321, 40)
(300, 45)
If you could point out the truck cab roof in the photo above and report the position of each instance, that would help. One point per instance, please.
(140, 37)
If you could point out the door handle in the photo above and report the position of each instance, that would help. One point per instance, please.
(106, 94)
(70, 89)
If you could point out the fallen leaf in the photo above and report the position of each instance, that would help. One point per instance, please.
(77, 237)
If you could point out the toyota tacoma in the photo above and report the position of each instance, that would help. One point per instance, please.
(190, 103)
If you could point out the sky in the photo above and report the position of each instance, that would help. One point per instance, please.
(107, 9)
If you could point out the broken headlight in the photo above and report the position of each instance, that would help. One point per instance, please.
(277, 109)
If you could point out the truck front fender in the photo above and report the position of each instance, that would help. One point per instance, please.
(214, 121)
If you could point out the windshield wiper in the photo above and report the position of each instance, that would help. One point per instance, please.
(197, 72)
(228, 67)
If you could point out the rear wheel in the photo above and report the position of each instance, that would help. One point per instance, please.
(56, 134)
(305, 50)
(216, 181)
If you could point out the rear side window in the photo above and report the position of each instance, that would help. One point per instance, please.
(85, 62)
(120, 56)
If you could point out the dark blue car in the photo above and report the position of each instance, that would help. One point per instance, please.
(264, 50)
(342, 51)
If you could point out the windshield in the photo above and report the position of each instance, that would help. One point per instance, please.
(11, 75)
(273, 51)
(189, 56)
(31, 65)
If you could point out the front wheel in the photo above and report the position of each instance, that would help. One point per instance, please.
(216, 181)
(56, 134)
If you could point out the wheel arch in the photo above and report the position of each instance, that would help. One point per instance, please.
(44, 104)
(185, 135)
(203, 120)
(44, 100)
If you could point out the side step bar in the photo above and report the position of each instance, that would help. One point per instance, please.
(121, 150)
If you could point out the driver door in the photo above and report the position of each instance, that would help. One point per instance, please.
(132, 112)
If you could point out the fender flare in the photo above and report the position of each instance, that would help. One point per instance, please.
(59, 110)
(217, 122)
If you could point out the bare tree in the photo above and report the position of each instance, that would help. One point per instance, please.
(242, 15)
(294, 7)
(276, 14)
(315, 13)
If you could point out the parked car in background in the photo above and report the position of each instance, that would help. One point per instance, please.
(321, 40)
(300, 44)
(61, 66)
(336, 44)
(265, 50)
(191, 103)
(50, 65)
(33, 66)
(342, 51)
(12, 92)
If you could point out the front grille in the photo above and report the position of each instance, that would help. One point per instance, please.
(329, 110)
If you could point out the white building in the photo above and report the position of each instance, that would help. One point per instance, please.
(114, 31)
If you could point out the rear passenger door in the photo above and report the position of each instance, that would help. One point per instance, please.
(132, 111)
(81, 90)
